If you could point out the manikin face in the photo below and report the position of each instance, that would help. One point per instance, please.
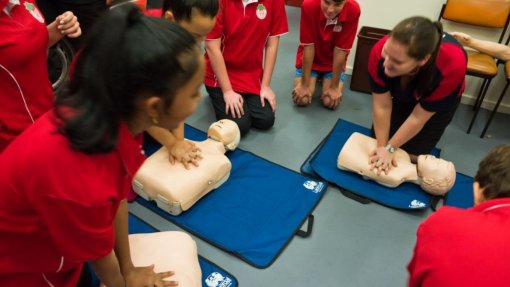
(437, 175)
(432, 167)
(225, 131)
(331, 9)
(396, 60)
(185, 102)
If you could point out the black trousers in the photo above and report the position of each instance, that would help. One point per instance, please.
(254, 114)
(430, 134)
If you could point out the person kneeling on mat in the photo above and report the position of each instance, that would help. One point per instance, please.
(435, 176)
(417, 78)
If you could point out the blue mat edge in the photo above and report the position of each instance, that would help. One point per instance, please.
(201, 257)
(446, 197)
(434, 200)
(162, 213)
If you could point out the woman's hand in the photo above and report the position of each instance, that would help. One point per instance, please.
(146, 277)
(381, 160)
(68, 25)
(185, 152)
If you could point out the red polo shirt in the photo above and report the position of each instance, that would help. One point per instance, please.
(25, 89)
(326, 35)
(58, 205)
(448, 78)
(464, 248)
(244, 32)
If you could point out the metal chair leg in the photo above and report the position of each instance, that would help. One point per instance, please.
(478, 105)
(482, 88)
(495, 109)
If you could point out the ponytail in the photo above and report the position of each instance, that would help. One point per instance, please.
(127, 56)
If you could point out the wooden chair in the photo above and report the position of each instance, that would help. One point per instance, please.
(482, 13)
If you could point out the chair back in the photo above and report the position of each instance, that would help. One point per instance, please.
(483, 13)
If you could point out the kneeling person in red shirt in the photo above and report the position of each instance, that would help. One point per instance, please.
(457, 247)
(240, 56)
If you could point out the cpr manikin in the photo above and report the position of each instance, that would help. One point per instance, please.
(175, 188)
(170, 250)
(435, 176)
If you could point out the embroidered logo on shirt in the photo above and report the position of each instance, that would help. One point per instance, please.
(34, 12)
(261, 12)
(337, 27)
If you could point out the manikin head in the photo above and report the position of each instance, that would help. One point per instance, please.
(437, 175)
(225, 131)
(492, 179)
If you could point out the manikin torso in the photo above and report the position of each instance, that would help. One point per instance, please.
(434, 175)
(354, 157)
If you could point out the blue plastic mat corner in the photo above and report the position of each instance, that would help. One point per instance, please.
(256, 213)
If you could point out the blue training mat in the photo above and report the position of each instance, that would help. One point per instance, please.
(253, 215)
(461, 194)
(137, 225)
(322, 163)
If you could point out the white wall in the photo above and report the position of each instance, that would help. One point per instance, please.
(386, 14)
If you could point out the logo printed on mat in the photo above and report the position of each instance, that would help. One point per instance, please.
(314, 186)
(416, 204)
(215, 279)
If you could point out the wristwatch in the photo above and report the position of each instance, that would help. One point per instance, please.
(389, 148)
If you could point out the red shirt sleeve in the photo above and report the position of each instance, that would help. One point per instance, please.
(349, 27)
(375, 72)
(217, 31)
(279, 23)
(451, 64)
(306, 35)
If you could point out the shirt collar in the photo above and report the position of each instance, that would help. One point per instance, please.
(493, 204)
(342, 16)
(8, 4)
(246, 2)
(130, 150)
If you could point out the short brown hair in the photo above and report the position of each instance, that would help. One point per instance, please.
(494, 173)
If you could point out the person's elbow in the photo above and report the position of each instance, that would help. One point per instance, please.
(211, 47)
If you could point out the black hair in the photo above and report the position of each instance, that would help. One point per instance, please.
(126, 58)
(423, 37)
(182, 9)
(493, 173)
